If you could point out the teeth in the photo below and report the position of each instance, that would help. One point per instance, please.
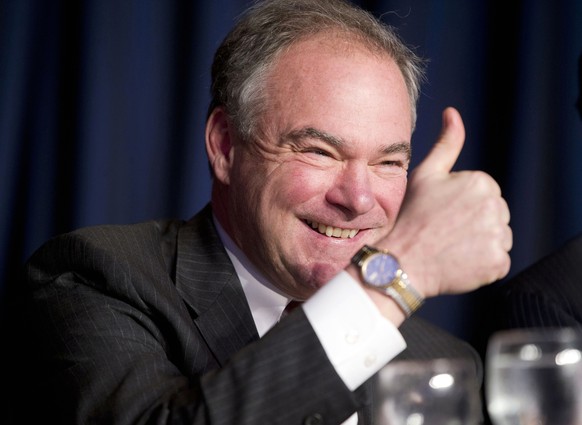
(331, 231)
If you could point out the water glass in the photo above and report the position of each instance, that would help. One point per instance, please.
(534, 376)
(428, 392)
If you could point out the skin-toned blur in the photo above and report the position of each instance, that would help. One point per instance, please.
(332, 153)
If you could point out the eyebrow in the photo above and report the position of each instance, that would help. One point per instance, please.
(313, 133)
(310, 132)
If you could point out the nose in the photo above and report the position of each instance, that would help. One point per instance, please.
(351, 190)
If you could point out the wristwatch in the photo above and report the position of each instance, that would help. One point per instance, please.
(381, 270)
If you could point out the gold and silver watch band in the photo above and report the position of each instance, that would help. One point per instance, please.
(404, 294)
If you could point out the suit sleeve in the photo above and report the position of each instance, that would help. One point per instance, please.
(109, 349)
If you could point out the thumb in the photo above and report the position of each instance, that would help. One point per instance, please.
(446, 150)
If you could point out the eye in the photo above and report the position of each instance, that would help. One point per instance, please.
(393, 167)
(317, 151)
(398, 164)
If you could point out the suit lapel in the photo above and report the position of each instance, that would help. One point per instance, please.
(208, 283)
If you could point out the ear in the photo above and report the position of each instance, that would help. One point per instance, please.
(219, 144)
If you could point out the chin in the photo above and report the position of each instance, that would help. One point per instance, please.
(323, 273)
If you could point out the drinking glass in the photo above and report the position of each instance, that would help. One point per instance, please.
(534, 376)
(428, 392)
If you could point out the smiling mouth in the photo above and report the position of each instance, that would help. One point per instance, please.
(333, 232)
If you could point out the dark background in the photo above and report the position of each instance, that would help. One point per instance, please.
(103, 102)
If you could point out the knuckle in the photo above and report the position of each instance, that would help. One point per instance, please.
(501, 263)
(491, 206)
(484, 183)
(508, 238)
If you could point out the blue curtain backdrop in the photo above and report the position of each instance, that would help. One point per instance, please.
(102, 108)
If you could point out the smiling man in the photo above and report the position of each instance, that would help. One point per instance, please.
(329, 157)
(308, 137)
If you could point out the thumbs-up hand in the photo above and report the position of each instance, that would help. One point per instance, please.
(452, 233)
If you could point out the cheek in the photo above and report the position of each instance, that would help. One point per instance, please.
(390, 194)
(300, 184)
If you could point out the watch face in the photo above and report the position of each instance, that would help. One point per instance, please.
(380, 269)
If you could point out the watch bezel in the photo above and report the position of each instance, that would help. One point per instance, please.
(367, 271)
(397, 287)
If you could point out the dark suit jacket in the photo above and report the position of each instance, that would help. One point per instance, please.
(548, 293)
(148, 323)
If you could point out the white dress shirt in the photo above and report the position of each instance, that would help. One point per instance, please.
(358, 340)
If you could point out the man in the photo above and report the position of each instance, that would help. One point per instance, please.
(308, 137)
(548, 293)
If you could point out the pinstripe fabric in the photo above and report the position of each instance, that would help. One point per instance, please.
(548, 293)
(148, 324)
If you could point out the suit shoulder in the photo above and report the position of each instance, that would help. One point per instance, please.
(123, 234)
(105, 250)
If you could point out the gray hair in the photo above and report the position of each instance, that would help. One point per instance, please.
(243, 60)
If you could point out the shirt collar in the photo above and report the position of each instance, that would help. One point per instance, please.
(265, 301)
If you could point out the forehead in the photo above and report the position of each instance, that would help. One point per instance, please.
(329, 46)
(334, 83)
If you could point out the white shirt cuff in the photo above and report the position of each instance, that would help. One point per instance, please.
(357, 339)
